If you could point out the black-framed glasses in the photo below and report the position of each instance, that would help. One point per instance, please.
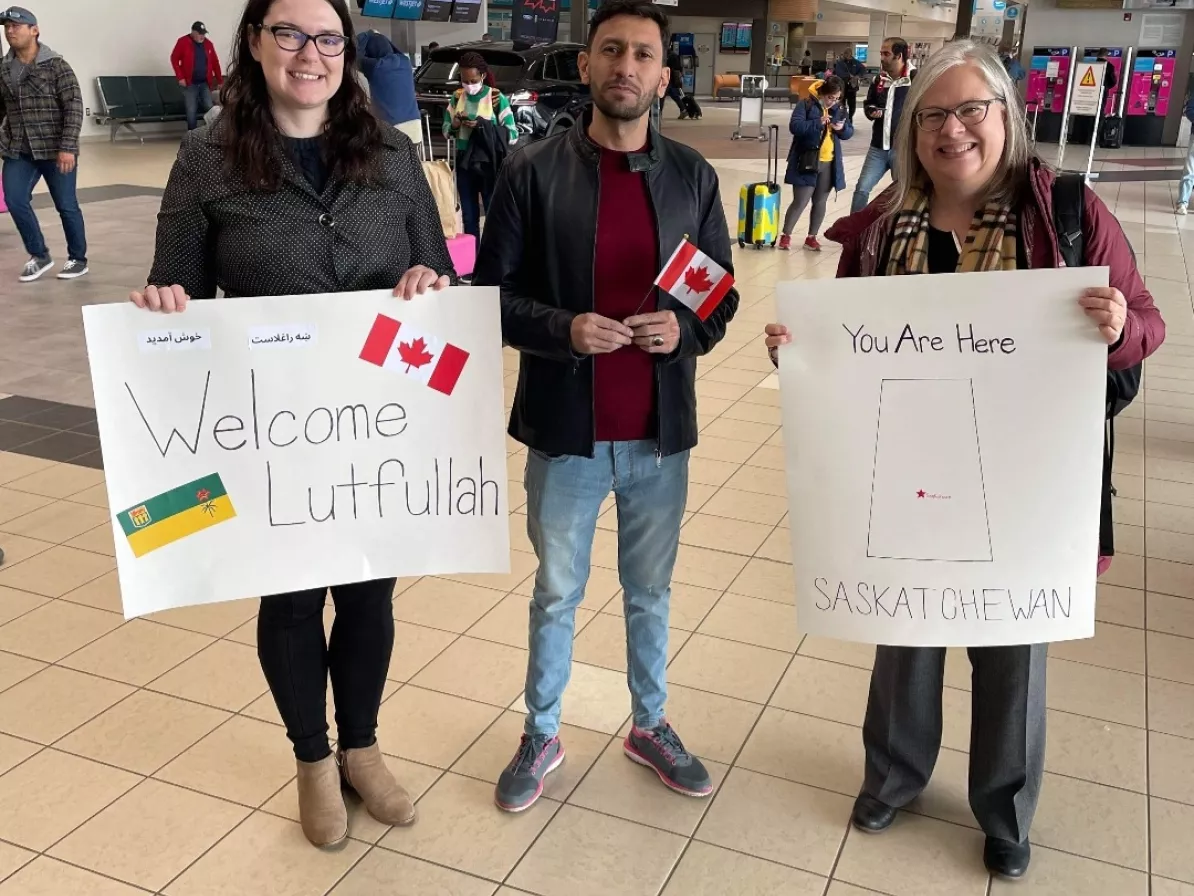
(969, 112)
(292, 40)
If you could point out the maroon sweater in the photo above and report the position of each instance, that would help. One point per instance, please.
(625, 265)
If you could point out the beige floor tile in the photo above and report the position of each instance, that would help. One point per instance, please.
(1160, 887)
(840, 888)
(143, 732)
(1165, 577)
(17, 550)
(56, 793)
(15, 504)
(1172, 615)
(753, 620)
(806, 750)
(1171, 761)
(387, 872)
(477, 670)
(521, 567)
(716, 533)
(507, 622)
(728, 668)
(216, 620)
(1094, 692)
(1120, 606)
(1093, 820)
(1170, 829)
(224, 675)
(98, 540)
(1171, 708)
(137, 652)
(1126, 571)
(897, 860)
(848, 653)
(15, 603)
(826, 690)
(445, 605)
(742, 430)
(459, 827)
(151, 834)
(57, 522)
(713, 447)
(493, 751)
(56, 571)
(586, 854)
(244, 761)
(12, 859)
(414, 647)
(15, 668)
(48, 705)
(1097, 751)
(47, 877)
(415, 779)
(706, 870)
(1112, 647)
(55, 630)
(759, 480)
(430, 728)
(266, 856)
(102, 593)
(17, 466)
(14, 751)
(1060, 874)
(947, 796)
(96, 496)
(706, 471)
(712, 726)
(602, 643)
(59, 481)
(777, 820)
(778, 546)
(687, 608)
(706, 568)
(749, 507)
(616, 786)
(768, 580)
(1171, 657)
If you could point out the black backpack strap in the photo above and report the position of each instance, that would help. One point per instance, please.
(1068, 196)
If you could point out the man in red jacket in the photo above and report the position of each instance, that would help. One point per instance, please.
(198, 70)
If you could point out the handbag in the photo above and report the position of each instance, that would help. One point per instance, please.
(809, 160)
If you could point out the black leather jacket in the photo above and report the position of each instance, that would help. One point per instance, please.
(538, 247)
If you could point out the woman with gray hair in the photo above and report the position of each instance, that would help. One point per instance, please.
(970, 196)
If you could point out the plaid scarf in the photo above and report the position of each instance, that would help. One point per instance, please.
(990, 245)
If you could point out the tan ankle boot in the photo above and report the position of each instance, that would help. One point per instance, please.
(322, 811)
(365, 772)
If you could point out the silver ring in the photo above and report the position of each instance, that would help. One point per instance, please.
(657, 341)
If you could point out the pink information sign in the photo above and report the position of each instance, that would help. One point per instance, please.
(1152, 81)
(1115, 63)
(1048, 75)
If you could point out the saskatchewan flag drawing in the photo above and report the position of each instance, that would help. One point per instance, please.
(175, 514)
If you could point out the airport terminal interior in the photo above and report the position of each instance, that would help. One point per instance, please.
(147, 756)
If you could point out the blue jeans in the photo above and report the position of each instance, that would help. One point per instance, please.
(20, 177)
(876, 164)
(1187, 184)
(198, 101)
(564, 496)
(473, 193)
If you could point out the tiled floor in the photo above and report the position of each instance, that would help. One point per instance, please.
(147, 756)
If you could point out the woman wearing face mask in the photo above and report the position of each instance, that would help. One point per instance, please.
(970, 196)
(819, 125)
(475, 101)
(286, 194)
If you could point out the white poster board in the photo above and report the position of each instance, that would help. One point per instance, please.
(944, 440)
(265, 445)
(1088, 88)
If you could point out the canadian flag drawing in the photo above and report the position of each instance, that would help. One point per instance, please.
(695, 279)
(394, 345)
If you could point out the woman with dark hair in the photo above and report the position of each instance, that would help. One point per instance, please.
(297, 189)
(476, 100)
(819, 125)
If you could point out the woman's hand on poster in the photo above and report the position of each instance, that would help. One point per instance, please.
(777, 335)
(1107, 307)
(418, 280)
(166, 299)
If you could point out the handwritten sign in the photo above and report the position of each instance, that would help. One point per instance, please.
(944, 439)
(316, 440)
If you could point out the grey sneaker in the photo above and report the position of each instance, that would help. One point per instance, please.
(73, 269)
(660, 749)
(522, 782)
(34, 268)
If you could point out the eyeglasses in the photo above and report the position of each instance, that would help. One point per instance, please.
(328, 43)
(970, 112)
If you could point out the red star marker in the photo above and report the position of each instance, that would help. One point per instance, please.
(921, 493)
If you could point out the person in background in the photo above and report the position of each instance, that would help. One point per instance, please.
(391, 79)
(883, 106)
(1109, 79)
(806, 63)
(197, 68)
(474, 100)
(291, 191)
(607, 368)
(1186, 186)
(971, 196)
(41, 115)
(819, 124)
(675, 84)
(850, 71)
(1015, 70)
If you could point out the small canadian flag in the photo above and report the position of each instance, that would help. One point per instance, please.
(695, 279)
(394, 345)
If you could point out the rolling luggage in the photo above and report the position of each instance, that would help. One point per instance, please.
(691, 106)
(759, 203)
(1111, 132)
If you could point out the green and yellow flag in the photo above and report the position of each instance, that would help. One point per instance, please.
(176, 514)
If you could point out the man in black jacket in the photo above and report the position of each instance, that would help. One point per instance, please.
(884, 105)
(606, 401)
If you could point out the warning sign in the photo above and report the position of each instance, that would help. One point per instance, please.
(1088, 91)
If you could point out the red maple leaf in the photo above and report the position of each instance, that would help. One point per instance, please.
(414, 353)
(697, 280)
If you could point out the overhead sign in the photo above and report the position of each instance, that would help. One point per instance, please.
(1088, 91)
(1012, 12)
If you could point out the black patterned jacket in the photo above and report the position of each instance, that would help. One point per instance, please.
(42, 114)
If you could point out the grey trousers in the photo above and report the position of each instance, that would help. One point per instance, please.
(902, 731)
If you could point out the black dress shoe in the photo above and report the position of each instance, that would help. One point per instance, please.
(1006, 859)
(872, 816)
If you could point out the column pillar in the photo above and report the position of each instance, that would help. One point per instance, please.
(578, 21)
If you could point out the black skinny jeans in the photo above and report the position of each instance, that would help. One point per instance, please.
(296, 660)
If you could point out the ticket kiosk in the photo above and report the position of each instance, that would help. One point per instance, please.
(1147, 96)
(1045, 94)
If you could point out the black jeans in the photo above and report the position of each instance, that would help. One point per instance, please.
(296, 660)
(851, 101)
